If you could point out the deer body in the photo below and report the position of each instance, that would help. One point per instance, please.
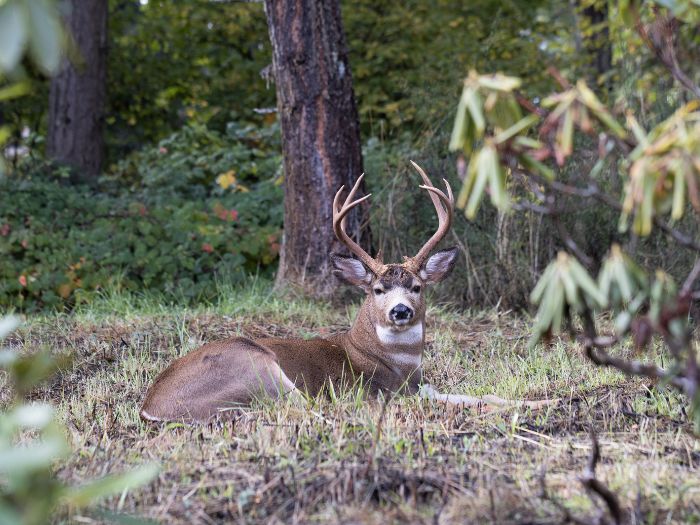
(383, 348)
(385, 359)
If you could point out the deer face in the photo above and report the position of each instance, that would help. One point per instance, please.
(395, 290)
(397, 294)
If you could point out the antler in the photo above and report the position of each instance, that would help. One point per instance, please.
(339, 214)
(443, 206)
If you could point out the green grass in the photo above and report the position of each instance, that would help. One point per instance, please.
(359, 460)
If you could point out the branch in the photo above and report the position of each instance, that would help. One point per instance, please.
(687, 289)
(594, 347)
(667, 55)
(593, 191)
(593, 484)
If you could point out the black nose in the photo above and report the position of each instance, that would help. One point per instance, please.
(401, 312)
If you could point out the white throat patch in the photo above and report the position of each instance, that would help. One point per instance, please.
(411, 336)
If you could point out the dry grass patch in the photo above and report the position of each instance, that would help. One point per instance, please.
(358, 460)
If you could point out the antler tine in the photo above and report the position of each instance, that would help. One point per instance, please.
(443, 206)
(339, 215)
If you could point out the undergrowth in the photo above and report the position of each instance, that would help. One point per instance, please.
(353, 459)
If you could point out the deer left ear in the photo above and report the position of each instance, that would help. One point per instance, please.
(439, 265)
(351, 271)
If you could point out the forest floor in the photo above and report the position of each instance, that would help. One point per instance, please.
(357, 460)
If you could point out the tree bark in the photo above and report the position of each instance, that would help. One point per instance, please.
(320, 135)
(598, 43)
(77, 96)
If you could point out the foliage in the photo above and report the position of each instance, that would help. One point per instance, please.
(394, 74)
(660, 171)
(32, 441)
(26, 26)
(171, 63)
(200, 207)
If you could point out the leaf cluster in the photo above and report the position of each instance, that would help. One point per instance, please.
(175, 228)
(32, 441)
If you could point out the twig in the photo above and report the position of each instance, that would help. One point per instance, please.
(544, 494)
(593, 484)
(667, 54)
(693, 276)
(596, 353)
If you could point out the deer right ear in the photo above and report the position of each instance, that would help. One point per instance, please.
(351, 271)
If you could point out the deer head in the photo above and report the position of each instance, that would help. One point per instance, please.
(395, 290)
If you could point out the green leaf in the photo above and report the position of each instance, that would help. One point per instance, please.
(30, 370)
(591, 101)
(678, 206)
(464, 192)
(15, 90)
(516, 128)
(566, 134)
(45, 35)
(500, 82)
(497, 178)
(111, 485)
(538, 167)
(477, 192)
(13, 33)
(22, 460)
(460, 137)
(586, 283)
(35, 416)
(475, 105)
(7, 326)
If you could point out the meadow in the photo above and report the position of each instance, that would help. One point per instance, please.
(349, 458)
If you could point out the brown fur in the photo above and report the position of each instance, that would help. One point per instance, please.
(232, 372)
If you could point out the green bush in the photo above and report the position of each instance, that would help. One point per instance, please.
(30, 492)
(199, 207)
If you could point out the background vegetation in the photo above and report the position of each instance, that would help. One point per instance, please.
(188, 118)
(173, 245)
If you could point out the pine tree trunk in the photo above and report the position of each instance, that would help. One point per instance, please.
(77, 97)
(320, 135)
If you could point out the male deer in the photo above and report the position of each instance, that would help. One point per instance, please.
(384, 347)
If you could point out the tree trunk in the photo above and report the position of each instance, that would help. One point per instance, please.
(77, 97)
(320, 135)
(598, 42)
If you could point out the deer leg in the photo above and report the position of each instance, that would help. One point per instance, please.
(428, 392)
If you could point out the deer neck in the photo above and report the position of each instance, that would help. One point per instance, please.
(400, 351)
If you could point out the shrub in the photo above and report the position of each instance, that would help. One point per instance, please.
(199, 207)
(30, 492)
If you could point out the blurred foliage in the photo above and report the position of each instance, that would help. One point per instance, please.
(172, 63)
(176, 62)
(32, 441)
(26, 27)
(199, 207)
(659, 171)
(180, 72)
(404, 54)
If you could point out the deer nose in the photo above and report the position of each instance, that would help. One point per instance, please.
(400, 312)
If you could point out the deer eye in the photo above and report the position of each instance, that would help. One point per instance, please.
(378, 291)
(416, 289)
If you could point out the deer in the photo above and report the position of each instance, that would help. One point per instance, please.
(383, 349)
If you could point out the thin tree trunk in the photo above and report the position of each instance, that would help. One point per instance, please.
(320, 135)
(598, 42)
(77, 97)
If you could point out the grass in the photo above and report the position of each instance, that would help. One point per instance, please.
(358, 460)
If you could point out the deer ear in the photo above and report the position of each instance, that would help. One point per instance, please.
(351, 271)
(439, 265)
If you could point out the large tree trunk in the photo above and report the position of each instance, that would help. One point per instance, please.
(77, 98)
(320, 135)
